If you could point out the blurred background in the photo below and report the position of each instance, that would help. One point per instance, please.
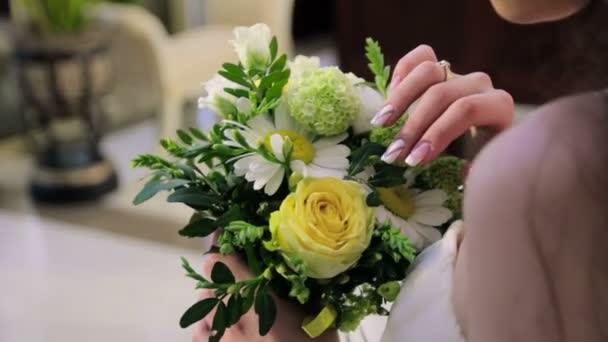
(86, 85)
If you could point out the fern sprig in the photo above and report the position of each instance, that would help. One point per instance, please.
(376, 65)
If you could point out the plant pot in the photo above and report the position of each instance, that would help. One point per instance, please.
(63, 75)
(62, 79)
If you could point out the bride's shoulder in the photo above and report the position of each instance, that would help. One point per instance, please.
(550, 142)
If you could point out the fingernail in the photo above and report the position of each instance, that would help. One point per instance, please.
(382, 117)
(393, 151)
(420, 151)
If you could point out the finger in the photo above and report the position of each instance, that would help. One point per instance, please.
(492, 110)
(431, 105)
(408, 62)
(412, 87)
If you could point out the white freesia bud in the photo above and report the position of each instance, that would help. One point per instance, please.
(371, 102)
(252, 44)
(303, 65)
(214, 96)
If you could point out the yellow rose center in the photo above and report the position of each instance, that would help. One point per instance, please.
(302, 147)
(398, 200)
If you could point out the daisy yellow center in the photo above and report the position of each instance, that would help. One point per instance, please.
(302, 147)
(398, 200)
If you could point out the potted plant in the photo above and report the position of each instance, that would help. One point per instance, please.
(63, 70)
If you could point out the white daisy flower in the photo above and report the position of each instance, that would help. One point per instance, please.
(324, 157)
(417, 213)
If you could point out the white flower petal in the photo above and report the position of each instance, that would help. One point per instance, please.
(331, 162)
(371, 102)
(243, 164)
(432, 216)
(366, 174)
(317, 171)
(261, 124)
(435, 197)
(329, 141)
(276, 142)
(263, 178)
(426, 234)
(333, 151)
(275, 182)
(243, 104)
(299, 166)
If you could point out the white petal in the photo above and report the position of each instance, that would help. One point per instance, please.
(244, 163)
(426, 235)
(333, 151)
(275, 182)
(276, 142)
(432, 216)
(261, 124)
(282, 119)
(366, 174)
(435, 197)
(331, 162)
(264, 177)
(330, 141)
(320, 172)
(299, 166)
(410, 178)
(372, 101)
(243, 104)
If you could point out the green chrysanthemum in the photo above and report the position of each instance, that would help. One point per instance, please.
(385, 135)
(445, 173)
(324, 101)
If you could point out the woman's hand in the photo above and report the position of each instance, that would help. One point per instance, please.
(287, 326)
(446, 108)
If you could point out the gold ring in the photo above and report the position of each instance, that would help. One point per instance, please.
(448, 74)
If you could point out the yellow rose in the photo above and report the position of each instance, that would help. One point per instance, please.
(326, 223)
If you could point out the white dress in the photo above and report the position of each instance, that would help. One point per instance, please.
(423, 310)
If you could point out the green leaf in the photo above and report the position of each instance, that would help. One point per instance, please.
(273, 77)
(247, 301)
(198, 134)
(235, 78)
(226, 108)
(360, 157)
(234, 309)
(234, 69)
(221, 274)
(252, 260)
(274, 47)
(388, 176)
(191, 272)
(184, 137)
(194, 197)
(154, 186)
(276, 89)
(197, 312)
(237, 92)
(199, 228)
(266, 309)
(279, 64)
(220, 323)
(373, 199)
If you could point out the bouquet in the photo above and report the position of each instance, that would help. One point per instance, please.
(291, 179)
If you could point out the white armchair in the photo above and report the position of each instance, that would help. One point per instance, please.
(154, 70)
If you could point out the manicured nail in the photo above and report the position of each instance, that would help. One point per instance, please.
(418, 154)
(382, 117)
(393, 151)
